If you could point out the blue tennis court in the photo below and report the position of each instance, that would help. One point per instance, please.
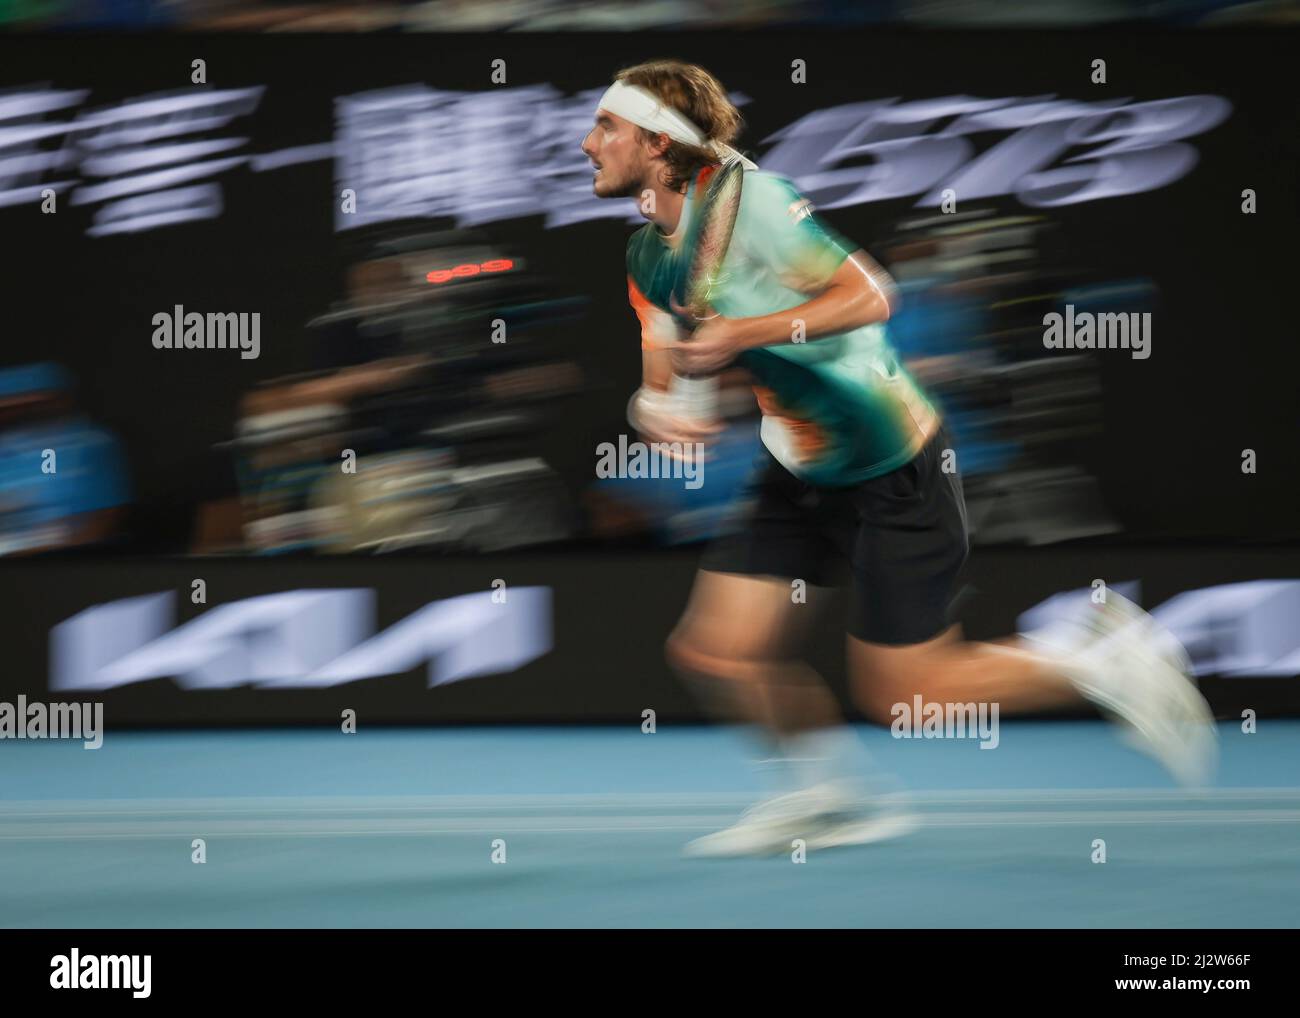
(396, 828)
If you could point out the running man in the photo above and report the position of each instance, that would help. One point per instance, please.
(853, 479)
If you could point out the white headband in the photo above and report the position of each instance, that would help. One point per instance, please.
(645, 109)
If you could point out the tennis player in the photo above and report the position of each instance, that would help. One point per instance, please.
(855, 479)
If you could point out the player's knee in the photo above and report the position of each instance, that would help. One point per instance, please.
(687, 657)
(682, 653)
(877, 695)
(876, 706)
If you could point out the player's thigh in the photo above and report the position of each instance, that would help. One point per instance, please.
(737, 617)
(752, 600)
(907, 552)
(881, 675)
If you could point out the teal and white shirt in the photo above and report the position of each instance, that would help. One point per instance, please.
(837, 410)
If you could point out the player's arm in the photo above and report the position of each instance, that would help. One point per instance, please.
(659, 334)
(656, 369)
(845, 286)
(859, 293)
(651, 409)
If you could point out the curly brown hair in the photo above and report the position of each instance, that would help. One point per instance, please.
(698, 95)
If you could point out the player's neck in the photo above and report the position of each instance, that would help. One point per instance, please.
(667, 208)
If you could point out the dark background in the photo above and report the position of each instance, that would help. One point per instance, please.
(1220, 378)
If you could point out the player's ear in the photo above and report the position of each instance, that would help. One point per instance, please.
(659, 143)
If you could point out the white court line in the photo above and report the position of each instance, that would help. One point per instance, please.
(361, 816)
(315, 827)
(507, 828)
(601, 800)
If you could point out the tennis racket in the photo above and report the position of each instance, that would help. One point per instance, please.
(697, 395)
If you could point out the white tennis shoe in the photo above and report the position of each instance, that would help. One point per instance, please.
(828, 815)
(1137, 672)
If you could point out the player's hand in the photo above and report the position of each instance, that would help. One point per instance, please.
(714, 344)
(656, 420)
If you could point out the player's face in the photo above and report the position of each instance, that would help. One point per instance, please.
(617, 157)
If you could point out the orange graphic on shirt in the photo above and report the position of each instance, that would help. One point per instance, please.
(658, 329)
(809, 439)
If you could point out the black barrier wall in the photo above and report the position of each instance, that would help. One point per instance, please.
(605, 624)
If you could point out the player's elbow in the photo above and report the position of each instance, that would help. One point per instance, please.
(873, 289)
(882, 309)
(871, 306)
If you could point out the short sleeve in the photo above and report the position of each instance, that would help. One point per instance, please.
(782, 233)
(658, 327)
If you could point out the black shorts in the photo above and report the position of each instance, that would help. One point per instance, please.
(901, 537)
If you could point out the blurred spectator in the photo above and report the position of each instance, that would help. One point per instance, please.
(975, 286)
(617, 15)
(447, 425)
(63, 479)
